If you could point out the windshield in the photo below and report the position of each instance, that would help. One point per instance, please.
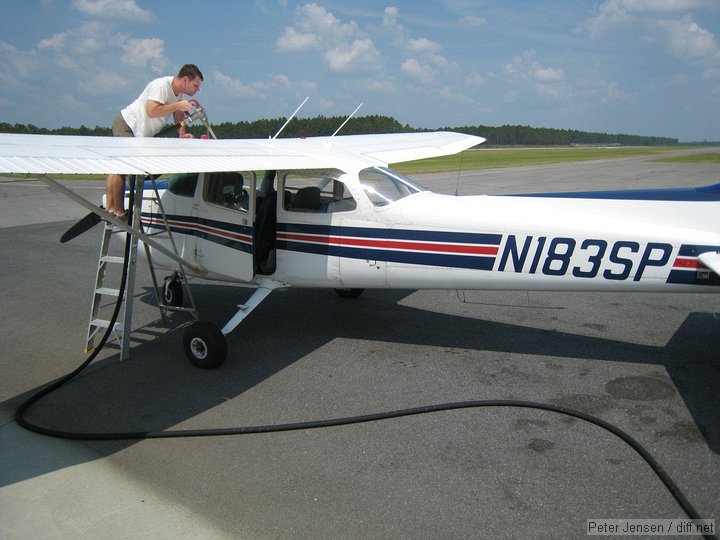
(383, 185)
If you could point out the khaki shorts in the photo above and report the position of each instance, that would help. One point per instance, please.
(120, 127)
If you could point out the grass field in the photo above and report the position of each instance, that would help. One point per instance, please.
(710, 157)
(493, 158)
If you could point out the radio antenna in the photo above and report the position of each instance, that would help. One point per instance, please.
(345, 122)
(288, 120)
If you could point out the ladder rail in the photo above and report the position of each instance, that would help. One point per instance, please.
(122, 331)
(181, 266)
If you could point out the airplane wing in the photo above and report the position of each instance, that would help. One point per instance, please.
(66, 154)
(399, 147)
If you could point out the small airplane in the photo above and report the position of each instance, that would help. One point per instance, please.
(328, 212)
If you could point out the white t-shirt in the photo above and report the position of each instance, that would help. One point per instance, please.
(135, 114)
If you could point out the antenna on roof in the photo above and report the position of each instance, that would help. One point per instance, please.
(288, 120)
(345, 122)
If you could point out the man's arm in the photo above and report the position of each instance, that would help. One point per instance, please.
(156, 109)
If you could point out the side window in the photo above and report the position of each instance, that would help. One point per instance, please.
(320, 195)
(183, 184)
(226, 189)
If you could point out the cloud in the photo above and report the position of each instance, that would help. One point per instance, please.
(88, 39)
(667, 23)
(142, 53)
(101, 82)
(416, 70)
(525, 66)
(546, 81)
(17, 65)
(610, 92)
(614, 13)
(127, 10)
(292, 40)
(511, 96)
(548, 74)
(360, 54)
(99, 61)
(88, 44)
(390, 21)
(473, 21)
(423, 61)
(422, 45)
(344, 47)
(475, 79)
(236, 88)
(687, 39)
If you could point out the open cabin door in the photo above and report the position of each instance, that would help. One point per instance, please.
(223, 210)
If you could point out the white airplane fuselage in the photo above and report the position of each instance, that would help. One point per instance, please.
(423, 240)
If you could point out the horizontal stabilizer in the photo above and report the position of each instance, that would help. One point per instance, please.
(711, 259)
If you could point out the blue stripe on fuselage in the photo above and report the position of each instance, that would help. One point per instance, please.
(419, 257)
(218, 232)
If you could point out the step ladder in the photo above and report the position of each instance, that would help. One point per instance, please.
(105, 298)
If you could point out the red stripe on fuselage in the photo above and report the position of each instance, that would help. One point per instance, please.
(392, 244)
(691, 264)
(196, 226)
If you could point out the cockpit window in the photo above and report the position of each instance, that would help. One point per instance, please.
(383, 185)
(226, 189)
(321, 194)
(183, 184)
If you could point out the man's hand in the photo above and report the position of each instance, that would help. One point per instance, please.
(184, 105)
(155, 109)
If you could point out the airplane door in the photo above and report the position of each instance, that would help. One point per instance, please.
(178, 194)
(320, 235)
(364, 264)
(223, 210)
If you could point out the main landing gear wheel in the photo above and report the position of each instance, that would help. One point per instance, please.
(172, 292)
(349, 293)
(204, 345)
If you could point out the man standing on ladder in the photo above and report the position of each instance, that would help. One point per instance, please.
(145, 117)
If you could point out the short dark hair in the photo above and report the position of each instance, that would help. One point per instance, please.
(190, 71)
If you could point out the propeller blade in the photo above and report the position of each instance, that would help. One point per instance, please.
(85, 224)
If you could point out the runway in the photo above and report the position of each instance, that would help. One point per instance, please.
(647, 363)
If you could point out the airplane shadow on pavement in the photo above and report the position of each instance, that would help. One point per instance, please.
(348, 357)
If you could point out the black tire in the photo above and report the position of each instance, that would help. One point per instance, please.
(349, 293)
(204, 345)
(172, 293)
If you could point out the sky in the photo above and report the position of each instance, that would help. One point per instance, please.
(642, 67)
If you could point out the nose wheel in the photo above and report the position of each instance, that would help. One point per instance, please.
(204, 344)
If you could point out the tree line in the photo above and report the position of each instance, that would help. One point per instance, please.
(326, 125)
